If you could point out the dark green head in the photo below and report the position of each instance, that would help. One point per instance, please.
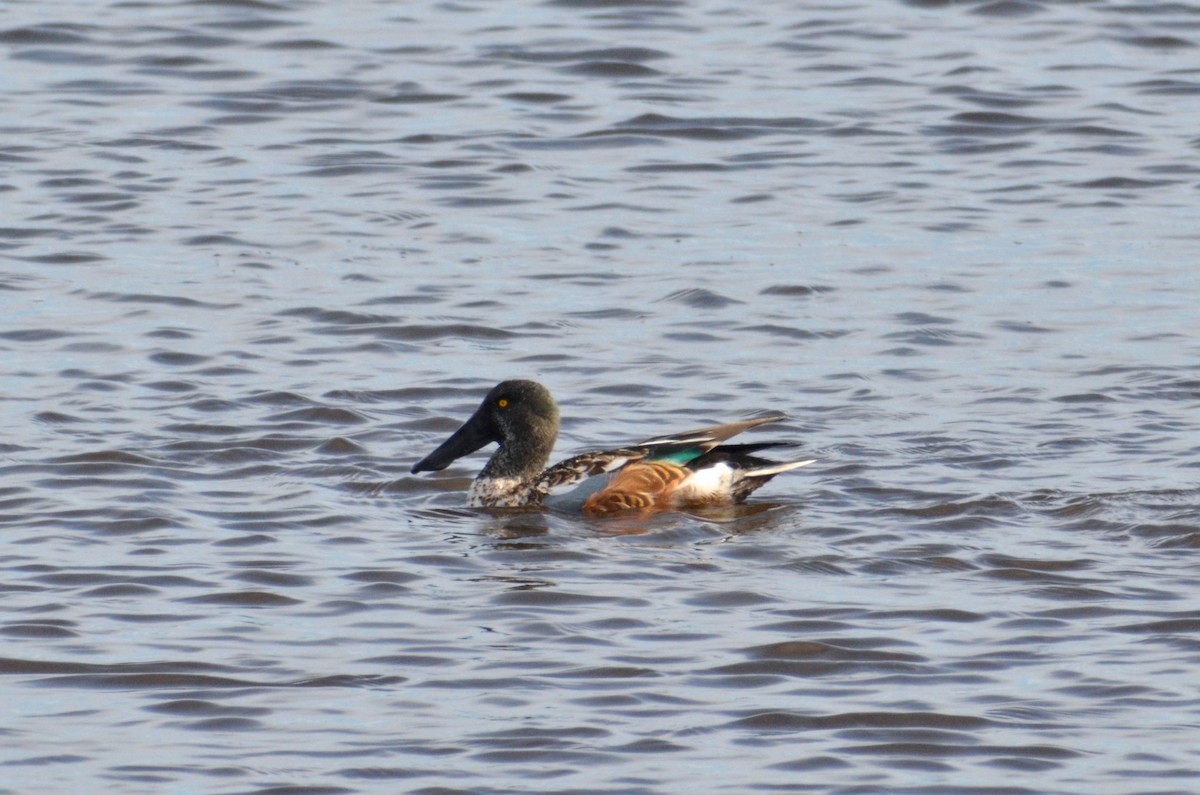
(520, 415)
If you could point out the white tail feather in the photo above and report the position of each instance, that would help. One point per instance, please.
(775, 469)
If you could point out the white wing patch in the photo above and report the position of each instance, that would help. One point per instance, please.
(565, 476)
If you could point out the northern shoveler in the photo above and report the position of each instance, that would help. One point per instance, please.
(664, 473)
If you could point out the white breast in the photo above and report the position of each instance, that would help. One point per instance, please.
(497, 493)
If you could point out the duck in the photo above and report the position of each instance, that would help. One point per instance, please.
(665, 473)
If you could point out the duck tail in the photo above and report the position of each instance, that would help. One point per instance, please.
(757, 473)
(773, 469)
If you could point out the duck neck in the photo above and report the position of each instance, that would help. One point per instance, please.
(520, 459)
(507, 478)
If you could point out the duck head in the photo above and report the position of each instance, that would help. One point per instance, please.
(519, 415)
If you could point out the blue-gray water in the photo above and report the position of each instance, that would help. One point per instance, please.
(256, 258)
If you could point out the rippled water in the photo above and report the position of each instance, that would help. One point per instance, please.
(259, 257)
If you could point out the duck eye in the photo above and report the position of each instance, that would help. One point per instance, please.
(502, 403)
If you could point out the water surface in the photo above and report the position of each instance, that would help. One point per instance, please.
(259, 257)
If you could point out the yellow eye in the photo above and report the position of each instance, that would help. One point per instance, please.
(502, 403)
